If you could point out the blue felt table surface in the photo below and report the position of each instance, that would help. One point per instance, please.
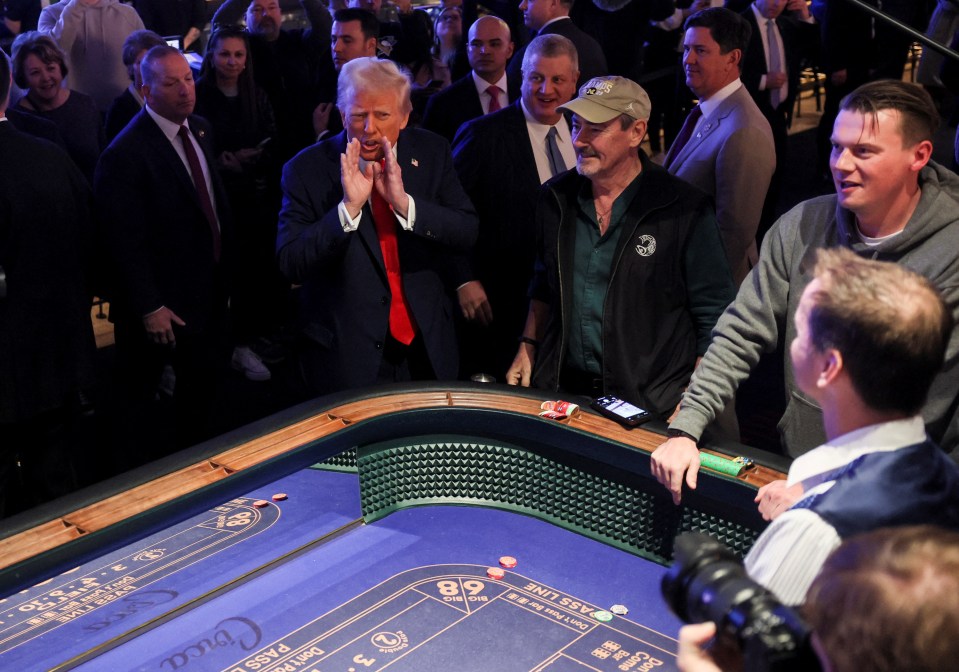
(91, 604)
(321, 610)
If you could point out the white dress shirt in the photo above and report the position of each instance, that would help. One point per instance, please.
(537, 138)
(171, 130)
(482, 85)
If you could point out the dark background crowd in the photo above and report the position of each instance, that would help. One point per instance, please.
(266, 82)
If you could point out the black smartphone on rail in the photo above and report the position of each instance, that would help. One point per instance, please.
(621, 411)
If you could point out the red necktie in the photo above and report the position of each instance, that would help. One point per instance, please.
(493, 92)
(685, 133)
(196, 172)
(401, 322)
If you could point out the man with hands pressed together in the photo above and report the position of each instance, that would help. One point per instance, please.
(370, 220)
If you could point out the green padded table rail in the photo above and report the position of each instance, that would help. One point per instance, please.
(345, 461)
(627, 510)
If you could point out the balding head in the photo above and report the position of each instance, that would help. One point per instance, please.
(489, 48)
(168, 83)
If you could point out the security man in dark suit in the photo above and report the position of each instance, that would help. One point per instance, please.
(502, 159)
(485, 89)
(552, 17)
(782, 32)
(167, 223)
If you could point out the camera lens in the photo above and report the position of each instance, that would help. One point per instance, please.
(707, 582)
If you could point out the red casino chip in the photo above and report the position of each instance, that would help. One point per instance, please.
(279, 497)
(260, 503)
(495, 573)
(507, 561)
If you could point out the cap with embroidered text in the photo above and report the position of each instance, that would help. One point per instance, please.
(602, 99)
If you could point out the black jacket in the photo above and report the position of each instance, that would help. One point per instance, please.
(669, 285)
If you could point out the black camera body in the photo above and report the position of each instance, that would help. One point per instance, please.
(707, 582)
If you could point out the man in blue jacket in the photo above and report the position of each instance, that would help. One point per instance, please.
(870, 338)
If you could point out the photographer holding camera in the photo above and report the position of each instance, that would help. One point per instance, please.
(885, 601)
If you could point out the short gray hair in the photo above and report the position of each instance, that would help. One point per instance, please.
(549, 45)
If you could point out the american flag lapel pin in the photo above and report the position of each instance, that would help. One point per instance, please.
(416, 164)
(201, 133)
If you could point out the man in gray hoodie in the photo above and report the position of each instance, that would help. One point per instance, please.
(892, 204)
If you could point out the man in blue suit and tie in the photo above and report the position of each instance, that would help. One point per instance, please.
(502, 159)
(484, 90)
(370, 221)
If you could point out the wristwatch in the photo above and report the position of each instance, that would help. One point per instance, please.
(673, 433)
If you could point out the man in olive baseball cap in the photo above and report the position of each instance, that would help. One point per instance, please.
(631, 275)
(602, 99)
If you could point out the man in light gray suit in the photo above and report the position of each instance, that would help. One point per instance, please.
(726, 145)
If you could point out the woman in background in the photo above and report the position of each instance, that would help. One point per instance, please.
(243, 129)
(39, 66)
(433, 71)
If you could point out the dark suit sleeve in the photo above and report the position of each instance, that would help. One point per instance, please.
(309, 233)
(116, 186)
(448, 217)
(539, 285)
(440, 114)
(432, 116)
(468, 162)
(321, 23)
(466, 157)
(754, 60)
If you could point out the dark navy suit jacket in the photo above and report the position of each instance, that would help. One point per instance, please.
(160, 241)
(495, 163)
(345, 298)
(494, 160)
(449, 109)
